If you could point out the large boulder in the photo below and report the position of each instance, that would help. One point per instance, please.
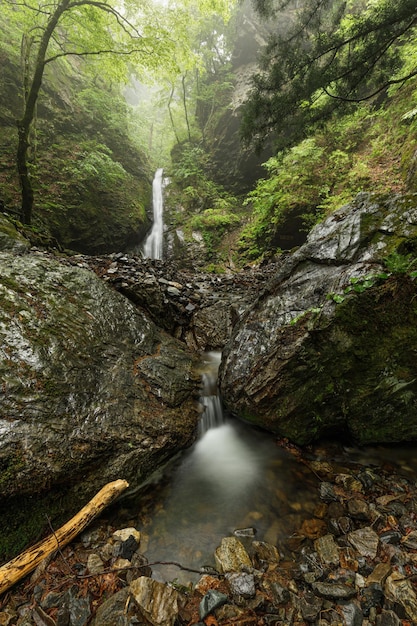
(91, 389)
(331, 342)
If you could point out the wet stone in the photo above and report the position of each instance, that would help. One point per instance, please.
(265, 553)
(232, 556)
(410, 540)
(211, 601)
(380, 574)
(388, 618)
(358, 509)
(399, 590)
(327, 550)
(332, 591)
(365, 541)
(157, 602)
(352, 614)
(309, 606)
(241, 584)
(128, 548)
(392, 537)
(327, 492)
(371, 596)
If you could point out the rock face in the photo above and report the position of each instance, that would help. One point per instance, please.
(91, 389)
(330, 344)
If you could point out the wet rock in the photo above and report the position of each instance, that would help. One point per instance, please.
(358, 509)
(94, 564)
(410, 540)
(327, 550)
(302, 351)
(92, 389)
(265, 553)
(392, 537)
(158, 603)
(379, 574)
(332, 591)
(352, 614)
(365, 541)
(125, 533)
(371, 596)
(388, 618)
(399, 590)
(113, 611)
(242, 585)
(309, 606)
(210, 602)
(231, 556)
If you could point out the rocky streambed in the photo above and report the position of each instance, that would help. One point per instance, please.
(352, 562)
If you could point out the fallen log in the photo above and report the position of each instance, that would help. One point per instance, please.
(24, 563)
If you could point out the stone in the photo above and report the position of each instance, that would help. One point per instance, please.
(241, 584)
(388, 618)
(365, 541)
(309, 606)
(380, 574)
(125, 533)
(352, 614)
(371, 596)
(265, 553)
(158, 603)
(358, 509)
(211, 601)
(296, 356)
(410, 540)
(327, 550)
(94, 564)
(400, 591)
(231, 556)
(113, 611)
(334, 591)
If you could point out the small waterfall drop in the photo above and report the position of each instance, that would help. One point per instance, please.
(213, 411)
(153, 246)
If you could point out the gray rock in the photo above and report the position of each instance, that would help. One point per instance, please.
(399, 590)
(334, 591)
(352, 614)
(241, 584)
(311, 354)
(113, 611)
(365, 541)
(91, 388)
(211, 601)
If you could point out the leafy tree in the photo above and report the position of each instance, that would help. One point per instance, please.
(334, 53)
(139, 32)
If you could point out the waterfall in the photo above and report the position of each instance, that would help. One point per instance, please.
(213, 411)
(153, 246)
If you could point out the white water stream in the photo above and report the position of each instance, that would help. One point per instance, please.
(233, 477)
(153, 246)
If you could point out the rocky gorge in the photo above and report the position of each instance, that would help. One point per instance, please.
(99, 367)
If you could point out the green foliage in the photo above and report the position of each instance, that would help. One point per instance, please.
(335, 54)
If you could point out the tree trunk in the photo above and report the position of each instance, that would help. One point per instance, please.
(23, 125)
(24, 563)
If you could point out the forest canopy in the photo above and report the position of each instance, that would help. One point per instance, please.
(331, 54)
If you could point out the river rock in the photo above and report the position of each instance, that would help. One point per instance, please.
(329, 344)
(92, 391)
(158, 603)
(365, 541)
(232, 556)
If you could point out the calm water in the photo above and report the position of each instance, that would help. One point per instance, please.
(234, 477)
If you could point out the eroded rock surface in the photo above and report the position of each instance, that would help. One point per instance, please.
(330, 343)
(91, 389)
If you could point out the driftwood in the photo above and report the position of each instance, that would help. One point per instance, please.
(24, 563)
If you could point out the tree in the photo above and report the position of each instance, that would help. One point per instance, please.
(333, 54)
(81, 28)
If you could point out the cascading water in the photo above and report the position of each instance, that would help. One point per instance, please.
(233, 477)
(153, 246)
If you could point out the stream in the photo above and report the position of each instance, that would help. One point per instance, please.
(234, 477)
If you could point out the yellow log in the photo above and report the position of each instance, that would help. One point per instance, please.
(24, 563)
